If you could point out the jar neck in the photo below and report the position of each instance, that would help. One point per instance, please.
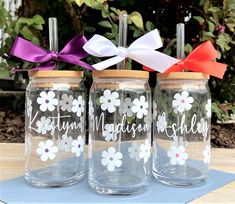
(193, 84)
(55, 80)
(182, 81)
(120, 79)
(120, 83)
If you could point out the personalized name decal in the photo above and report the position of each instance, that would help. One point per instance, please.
(180, 128)
(52, 124)
(123, 126)
(47, 118)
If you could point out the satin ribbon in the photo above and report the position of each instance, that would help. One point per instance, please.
(141, 50)
(200, 60)
(72, 53)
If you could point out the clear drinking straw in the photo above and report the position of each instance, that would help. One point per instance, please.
(53, 34)
(180, 43)
(123, 21)
(180, 33)
(53, 45)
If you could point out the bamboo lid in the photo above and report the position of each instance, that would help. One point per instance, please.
(55, 73)
(120, 73)
(182, 75)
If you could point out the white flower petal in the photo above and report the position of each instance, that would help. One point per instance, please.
(118, 163)
(40, 151)
(43, 94)
(44, 157)
(43, 107)
(135, 109)
(184, 94)
(111, 150)
(49, 143)
(181, 161)
(40, 100)
(102, 99)
(54, 149)
(118, 155)
(50, 95)
(173, 161)
(111, 166)
(78, 153)
(107, 93)
(115, 95)
(104, 161)
(177, 96)
(116, 102)
(104, 106)
(51, 156)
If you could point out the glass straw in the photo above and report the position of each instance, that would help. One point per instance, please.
(122, 38)
(123, 21)
(53, 34)
(180, 33)
(180, 42)
(53, 45)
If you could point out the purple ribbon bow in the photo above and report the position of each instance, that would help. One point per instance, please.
(72, 53)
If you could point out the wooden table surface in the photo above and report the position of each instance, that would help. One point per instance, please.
(12, 165)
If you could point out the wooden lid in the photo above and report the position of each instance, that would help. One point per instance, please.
(121, 73)
(55, 73)
(182, 75)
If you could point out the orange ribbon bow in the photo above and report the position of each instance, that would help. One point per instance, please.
(200, 60)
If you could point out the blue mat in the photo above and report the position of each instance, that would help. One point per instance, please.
(19, 191)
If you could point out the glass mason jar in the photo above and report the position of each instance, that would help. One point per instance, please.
(182, 113)
(120, 131)
(55, 128)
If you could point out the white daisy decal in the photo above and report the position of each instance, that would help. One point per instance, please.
(134, 151)
(126, 106)
(161, 123)
(154, 109)
(202, 127)
(44, 125)
(109, 133)
(109, 101)
(207, 154)
(46, 150)
(145, 151)
(208, 108)
(29, 107)
(177, 155)
(78, 106)
(91, 110)
(78, 146)
(47, 101)
(65, 143)
(66, 102)
(182, 102)
(140, 106)
(111, 159)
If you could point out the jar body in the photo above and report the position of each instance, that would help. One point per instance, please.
(182, 112)
(119, 135)
(54, 131)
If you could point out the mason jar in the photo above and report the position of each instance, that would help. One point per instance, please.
(120, 131)
(181, 126)
(54, 128)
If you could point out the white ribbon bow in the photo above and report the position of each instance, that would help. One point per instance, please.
(141, 50)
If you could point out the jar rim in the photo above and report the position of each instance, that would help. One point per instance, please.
(183, 75)
(54, 73)
(120, 73)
